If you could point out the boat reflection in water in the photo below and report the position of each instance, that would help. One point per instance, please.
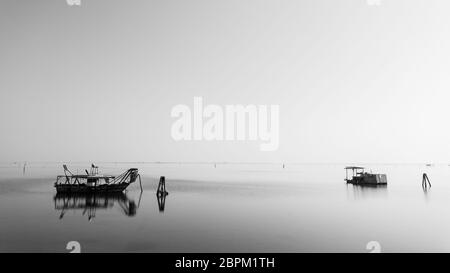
(89, 203)
(367, 191)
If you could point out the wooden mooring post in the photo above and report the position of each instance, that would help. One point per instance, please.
(425, 180)
(162, 187)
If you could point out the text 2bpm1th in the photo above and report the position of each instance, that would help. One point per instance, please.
(226, 263)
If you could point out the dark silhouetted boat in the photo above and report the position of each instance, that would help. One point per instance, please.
(94, 182)
(360, 177)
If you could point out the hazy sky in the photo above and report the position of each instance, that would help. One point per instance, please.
(355, 83)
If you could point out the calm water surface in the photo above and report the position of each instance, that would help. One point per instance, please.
(228, 208)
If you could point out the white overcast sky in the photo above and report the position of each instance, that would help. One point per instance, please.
(355, 83)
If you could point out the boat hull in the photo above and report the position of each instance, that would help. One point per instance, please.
(83, 188)
(369, 179)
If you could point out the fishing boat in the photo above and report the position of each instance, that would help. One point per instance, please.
(360, 177)
(92, 181)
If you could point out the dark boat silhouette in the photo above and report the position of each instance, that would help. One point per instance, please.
(360, 177)
(94, 182)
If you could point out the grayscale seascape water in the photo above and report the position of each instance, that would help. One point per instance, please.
(229, 208)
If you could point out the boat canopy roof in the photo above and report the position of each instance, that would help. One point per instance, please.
(354, 168)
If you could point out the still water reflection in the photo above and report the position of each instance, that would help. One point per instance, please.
(88, 204)
(161, 202)
(367, 191)
(228, 208)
